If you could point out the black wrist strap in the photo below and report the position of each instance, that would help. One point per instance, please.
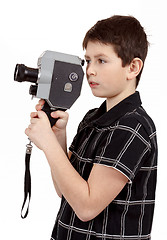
(27, 181)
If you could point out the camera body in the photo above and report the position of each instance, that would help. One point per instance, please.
(58, 79)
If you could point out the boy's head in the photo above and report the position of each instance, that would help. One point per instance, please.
(125, 34)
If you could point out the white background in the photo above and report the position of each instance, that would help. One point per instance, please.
(27, 28)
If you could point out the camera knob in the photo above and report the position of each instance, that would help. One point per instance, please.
(73, 76)
(33, 90)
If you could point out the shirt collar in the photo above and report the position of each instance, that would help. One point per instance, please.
(104, 119)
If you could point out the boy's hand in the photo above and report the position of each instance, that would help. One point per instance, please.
(60, 115)
(39, 130)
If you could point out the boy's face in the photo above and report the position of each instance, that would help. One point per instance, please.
(106, 76)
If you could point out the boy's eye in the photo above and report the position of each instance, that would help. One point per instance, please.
(101, 61)
(87, 61)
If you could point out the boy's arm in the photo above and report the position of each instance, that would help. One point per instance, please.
(60, 134)
(54, 182)
(87, 198)
(59, 130)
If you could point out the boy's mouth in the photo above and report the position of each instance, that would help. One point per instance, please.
(93, 84)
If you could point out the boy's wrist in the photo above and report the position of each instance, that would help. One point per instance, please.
(59, 132)
(51, 144)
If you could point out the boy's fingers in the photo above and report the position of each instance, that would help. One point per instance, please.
(60, 114)
(34, 115)
(38, 107)
(40, 104)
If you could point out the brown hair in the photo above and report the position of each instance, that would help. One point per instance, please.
(126, 35)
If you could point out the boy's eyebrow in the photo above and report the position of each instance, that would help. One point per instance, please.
(97, 56)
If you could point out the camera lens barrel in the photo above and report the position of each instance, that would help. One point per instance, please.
(25, 74)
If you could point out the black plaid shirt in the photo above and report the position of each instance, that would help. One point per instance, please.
(123, 138)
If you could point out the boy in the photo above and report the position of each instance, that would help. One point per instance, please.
(107, 181)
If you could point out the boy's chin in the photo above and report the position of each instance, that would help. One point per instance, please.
(99, 96)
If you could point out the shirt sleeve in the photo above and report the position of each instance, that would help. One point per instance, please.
(125, 147)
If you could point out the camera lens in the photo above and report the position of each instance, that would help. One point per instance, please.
(25, 74)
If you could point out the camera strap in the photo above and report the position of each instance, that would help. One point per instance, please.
(27, 181)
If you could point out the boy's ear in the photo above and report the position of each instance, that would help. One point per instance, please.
(134, 68)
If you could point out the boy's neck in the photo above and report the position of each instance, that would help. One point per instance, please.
(113, 101)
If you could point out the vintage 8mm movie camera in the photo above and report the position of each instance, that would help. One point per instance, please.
(58, 80)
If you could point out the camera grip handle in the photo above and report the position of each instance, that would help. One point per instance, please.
(47, 109)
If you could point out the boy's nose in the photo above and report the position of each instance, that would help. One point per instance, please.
(90, 70)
